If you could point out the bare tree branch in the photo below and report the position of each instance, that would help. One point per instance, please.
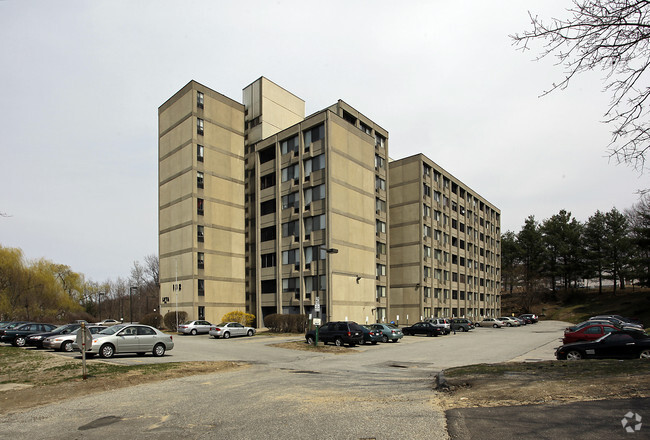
(613, 36)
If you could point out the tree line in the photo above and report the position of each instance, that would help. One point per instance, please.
(560, 252)
(44, 291)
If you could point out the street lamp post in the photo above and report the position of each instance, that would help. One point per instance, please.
(327, 251)
(99, 296)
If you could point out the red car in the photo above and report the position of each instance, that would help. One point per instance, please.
(588, 333)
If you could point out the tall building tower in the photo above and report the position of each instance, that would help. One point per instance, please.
(201, 203)
(445, 244)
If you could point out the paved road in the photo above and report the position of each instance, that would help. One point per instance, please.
(382, 391)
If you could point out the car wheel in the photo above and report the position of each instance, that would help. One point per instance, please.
(645, 354)
(193, 332)
(107, 351)
(310, 340)
(250, 333)
(19, 341)
(463, 329)
(395, 340)
(66, 346)
(384, 338)
(362, 342)
(140, 353)
(226, 335)
(573, 355)
(159, 350)
(477, 325)
(495, 326)
(338, 342)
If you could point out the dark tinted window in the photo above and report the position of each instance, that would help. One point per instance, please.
(146, 331)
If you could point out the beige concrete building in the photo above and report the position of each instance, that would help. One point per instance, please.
(201, 203)
(445, 245)
(266, 210)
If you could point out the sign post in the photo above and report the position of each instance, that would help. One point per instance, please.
(84, 341)
(317, 320)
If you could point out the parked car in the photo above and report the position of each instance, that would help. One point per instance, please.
(531, 316)
(624, 344)
(338, 332)
(390, 332)
(490, 322)
(509, 322)
(370, 335)
(462, 324)
(194, 327)
(443, 323)
(520, 320)
(423, 328)
(11, 324)
(63, 342)
(17, 336)
(228, 329)
(36, 340)
(108, 322)
(589, 332)
(129, 338)
(618, 320)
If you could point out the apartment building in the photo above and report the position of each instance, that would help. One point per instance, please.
(445, 244)
(265, 210)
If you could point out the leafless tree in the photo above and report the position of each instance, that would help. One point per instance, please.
(613, 36)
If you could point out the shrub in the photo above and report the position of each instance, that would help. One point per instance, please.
(170, 320)
(153, 319)
(286, 323)
(243, 318)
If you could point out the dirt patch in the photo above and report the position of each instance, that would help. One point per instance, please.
(31, 378)
(303, 346)
(554, 382)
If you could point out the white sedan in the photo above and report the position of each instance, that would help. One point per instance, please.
(490, 322)
(228, 329)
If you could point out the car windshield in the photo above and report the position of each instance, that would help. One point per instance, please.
(112, 330)
(222, 324)
(61, 328)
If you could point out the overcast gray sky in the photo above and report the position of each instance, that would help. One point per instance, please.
(81, 82)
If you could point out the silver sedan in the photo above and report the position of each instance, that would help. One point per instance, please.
(228, 329)
(194, 327)
(64, 342)
(129, 338)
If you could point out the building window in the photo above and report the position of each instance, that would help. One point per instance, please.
(381, 291)
(201, 312)
(310, 283)
(363, 127)
(381, 248)
(314, 193)
(315, 223)
(267, 234)
(199, 179)
(427, 251)
(290, 201)
(200, 235)
(268, 260)
(200, 262)
(426, 190)
(267, 181)
(269, 286)
(290, 228)
(290, 172)
(289, 145)
(427, 272)
(267, 154)
(426, 231)
(381, 314)
(199, 206)
(311, 252)
(427, 292)
(381, 270)
(267, 207)
(380, 141)
(380, 183)
(292, 256)
(314, 164)
(291, 284)
(199, 153)
(380, 205)
(314, 134)
(380, 227)
(199, 126)
(380, 162)
(201, 287)
(199, 104)
(426, 170)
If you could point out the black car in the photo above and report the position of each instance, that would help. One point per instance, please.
(423, 328)
(18, 335)
(625, 344)
(338, 332)
(530, 318)
(36, 340)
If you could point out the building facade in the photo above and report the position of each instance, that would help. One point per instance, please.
(265, 210)
(445, 244)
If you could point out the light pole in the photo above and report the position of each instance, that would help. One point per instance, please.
(99, 296)
(327, 251)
